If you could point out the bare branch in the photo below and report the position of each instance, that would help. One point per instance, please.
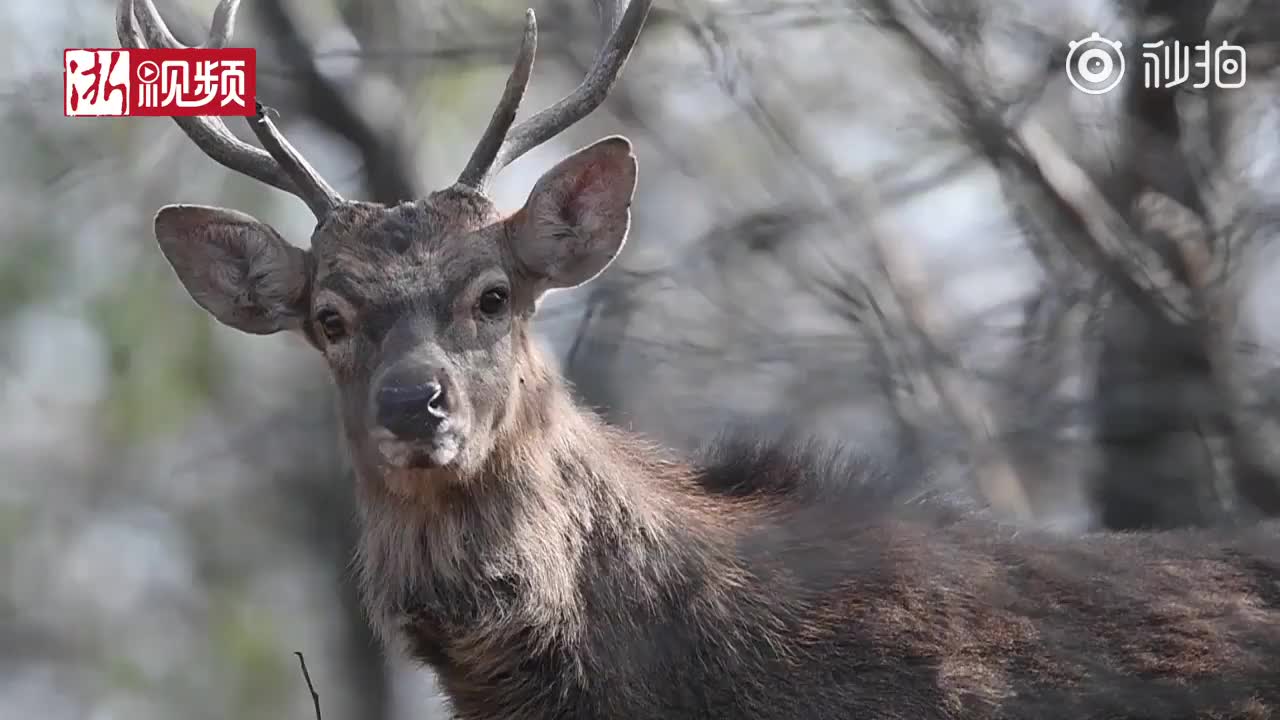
(315, 696)
(388, 173)
(1069, 189)
(1105, 226)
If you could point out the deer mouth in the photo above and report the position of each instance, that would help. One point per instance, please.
(431, 453)
(441, 453)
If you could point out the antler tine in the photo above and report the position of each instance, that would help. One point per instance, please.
(551, 121)
(609, 12)
(478, 168)
(210, 134)
(223, 24)
(314, 191)
(281, 166)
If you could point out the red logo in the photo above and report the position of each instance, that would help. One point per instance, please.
(186, 82)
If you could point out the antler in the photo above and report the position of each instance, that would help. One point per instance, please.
(502, 144)
(281, 166)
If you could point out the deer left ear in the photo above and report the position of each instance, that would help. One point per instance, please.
(577, 216)
(236, 267)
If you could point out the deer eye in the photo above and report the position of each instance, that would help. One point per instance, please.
(331, 324)
(493, 301)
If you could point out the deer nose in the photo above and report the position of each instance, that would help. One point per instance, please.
(412, 411)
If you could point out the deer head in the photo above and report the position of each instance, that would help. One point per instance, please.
(421, 309)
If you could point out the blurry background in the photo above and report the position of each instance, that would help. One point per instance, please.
(890, 222)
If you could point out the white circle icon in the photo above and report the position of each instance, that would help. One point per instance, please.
(148, 71)
(1095, 64)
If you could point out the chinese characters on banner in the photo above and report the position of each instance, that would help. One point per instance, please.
(159, 82)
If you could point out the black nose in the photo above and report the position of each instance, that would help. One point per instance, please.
(412, 410)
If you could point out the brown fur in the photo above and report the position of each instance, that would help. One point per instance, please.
(1105, 624)
(550, 566)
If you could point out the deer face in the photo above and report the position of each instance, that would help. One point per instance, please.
(421, 309)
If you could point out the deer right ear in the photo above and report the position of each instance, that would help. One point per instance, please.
(577, 216)
(236, 267)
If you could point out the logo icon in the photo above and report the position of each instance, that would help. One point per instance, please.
(184, 82)
(1095, 64)
(148, 71)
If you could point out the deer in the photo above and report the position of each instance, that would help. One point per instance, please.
(545, 564)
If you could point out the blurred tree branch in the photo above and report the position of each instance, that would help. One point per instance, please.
(386, 155)
(306, 675)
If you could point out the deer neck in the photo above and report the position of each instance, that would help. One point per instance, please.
(512, 544)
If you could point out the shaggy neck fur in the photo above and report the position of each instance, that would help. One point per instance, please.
(478, 562)
(583, 573)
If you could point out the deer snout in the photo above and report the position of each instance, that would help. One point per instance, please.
(411, 407)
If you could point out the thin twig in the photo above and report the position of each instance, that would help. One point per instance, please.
(315, 696)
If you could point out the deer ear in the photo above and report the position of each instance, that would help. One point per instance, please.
(236, 267)
(576, 219)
